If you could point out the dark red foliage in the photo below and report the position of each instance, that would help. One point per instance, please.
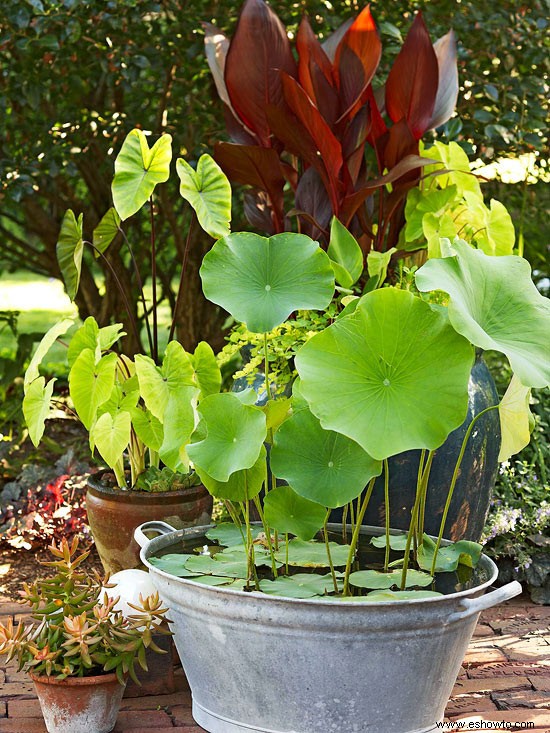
(311, 123)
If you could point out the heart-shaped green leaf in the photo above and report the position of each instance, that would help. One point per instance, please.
(320, 465)
(312, 554)
(206, 368)
(377, 266)
(36, 407)
(138, 169)
(381, 581)
(229, 535)
(289, 513)
(495, 304)
(345, 253)
(111, 436)
(209, 193)
(515, 419)
(69, 250)
(398, 542)
(206, 565)
(91, 383)
(234, 438)
(392, 376)
(44, 346)
(147, 427)
(261, 281)
(158, 384)
(106, 231)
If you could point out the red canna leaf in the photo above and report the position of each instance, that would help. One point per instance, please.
(257, 210)
(313, 206)
(254, 166)
(327, 147)
(411, 87)
(447, 88)
(315, 72)
(258, 53)
(330, 46)
(399, 144)
(216, 45)
(356, 61)
(352, 202)
(353, 143)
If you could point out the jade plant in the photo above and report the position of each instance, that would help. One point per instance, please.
(390, 374)
(140, 410)
(76, 630)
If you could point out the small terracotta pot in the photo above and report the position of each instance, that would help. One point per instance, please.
(113, 515)
(79, 704)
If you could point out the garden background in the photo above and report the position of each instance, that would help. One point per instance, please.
(76, 77)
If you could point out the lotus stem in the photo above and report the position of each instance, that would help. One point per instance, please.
(267, 532)
(454, 480)
(327, 545)
(387, 513)
(356, 531)
(414, 519)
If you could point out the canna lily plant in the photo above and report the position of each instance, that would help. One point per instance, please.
(139, 411)
(320, 123)
(390, 374)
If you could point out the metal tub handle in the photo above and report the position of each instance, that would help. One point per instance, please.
(472, 606)
(155, 526)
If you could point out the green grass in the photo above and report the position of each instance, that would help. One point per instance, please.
(41, 302)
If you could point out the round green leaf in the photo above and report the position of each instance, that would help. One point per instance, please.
(289, 513)
(173, 563)
(242, 485)
(450, 557)
(69, 250)
(111, 436)
(495, 304)
(235, 436)
(312, 554)
(515, 419)
(229, 535)
(320, 465)
(377, 596)
(206, 565)
(398, 542)
(138, 169)
(261, 281)
(381, 581)
(300, 585)
(392, 376)
(209, 193)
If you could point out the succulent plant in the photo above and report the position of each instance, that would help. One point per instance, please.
(78, 631)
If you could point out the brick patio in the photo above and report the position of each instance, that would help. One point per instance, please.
(505, 678)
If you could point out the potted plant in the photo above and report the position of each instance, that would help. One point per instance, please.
(139, 410)
(81, 651)
(285, 599)
(324, 144)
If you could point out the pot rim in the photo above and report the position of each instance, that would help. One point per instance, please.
(94, 483)
(221, 592)
(71, 681)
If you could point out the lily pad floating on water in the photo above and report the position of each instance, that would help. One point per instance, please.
(301, 585)
(313, 554)
(382, 581)
(174, 563)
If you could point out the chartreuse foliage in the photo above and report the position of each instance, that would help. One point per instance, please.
(388, 375)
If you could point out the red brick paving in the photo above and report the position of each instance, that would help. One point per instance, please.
(505, 677)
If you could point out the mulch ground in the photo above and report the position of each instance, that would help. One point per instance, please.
(505, 679)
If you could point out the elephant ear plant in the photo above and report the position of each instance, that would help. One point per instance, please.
(142, 409)
(389, 375)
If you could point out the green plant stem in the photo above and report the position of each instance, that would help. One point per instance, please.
(327, 545)
(182, 277)
(155, 354)
(345, 511)
(120, 289)
(251, 575)
(266, 369)
(235, 518)
(286, 553)
(118, 470)
(355, 536)
(141, 291)
(414, 520)
(267, 532)
(453, 482)
(387, 513)
(422, 510)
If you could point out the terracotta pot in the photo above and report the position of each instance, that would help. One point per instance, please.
(79, 704)
(113, 515)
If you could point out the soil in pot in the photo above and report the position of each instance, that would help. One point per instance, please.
(79, 704)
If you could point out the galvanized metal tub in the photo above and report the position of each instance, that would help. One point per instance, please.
(262, 664)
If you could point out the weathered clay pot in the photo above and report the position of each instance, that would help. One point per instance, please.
(113, 515)
(79, 704)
